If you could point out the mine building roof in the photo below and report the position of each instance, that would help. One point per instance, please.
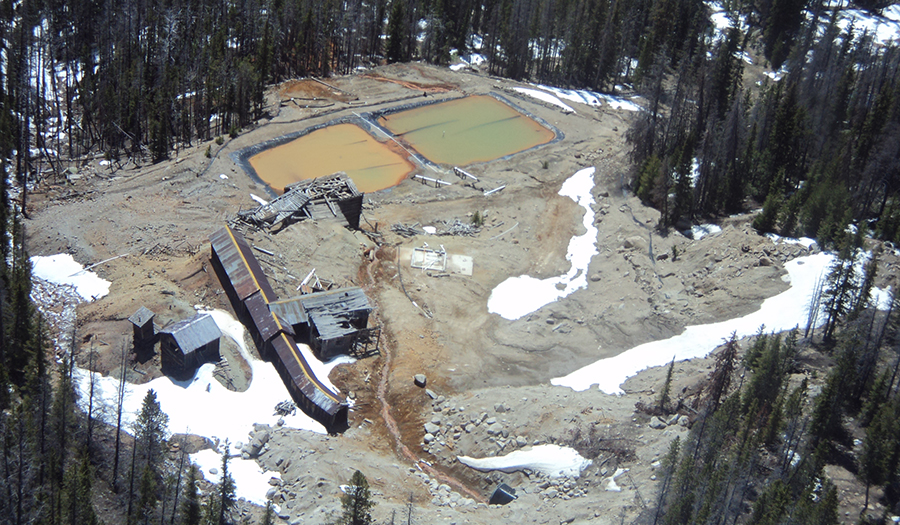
(290, 311)
(240, 265)
(193, 333)
(142, 316)
(350, 299)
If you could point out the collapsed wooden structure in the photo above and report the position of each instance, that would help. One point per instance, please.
(276, 325)
(334, 322)
(334, 197)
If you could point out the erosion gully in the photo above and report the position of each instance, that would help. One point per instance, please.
(391, 424)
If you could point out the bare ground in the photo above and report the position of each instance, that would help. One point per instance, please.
(161, 215)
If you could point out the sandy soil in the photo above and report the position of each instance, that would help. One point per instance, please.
(161, 215)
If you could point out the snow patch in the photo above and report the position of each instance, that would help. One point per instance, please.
(63, 269)
(699, 231)
(611, 485)
(806, 242)
(885, 29)
(546, 97)
(779, 313)
(591, 98)
(551, 460)
(251, 482)
(519, 296)
(695, 171)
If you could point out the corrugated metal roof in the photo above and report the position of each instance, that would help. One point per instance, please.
(240, 265)
(301, 375)
(142, 316)
(331, 311)
(191, 334)
(332, 326)
(336, 301)
(290, 311)
(266, 324)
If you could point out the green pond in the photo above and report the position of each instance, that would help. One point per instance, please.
(343, 147)
(466, 130)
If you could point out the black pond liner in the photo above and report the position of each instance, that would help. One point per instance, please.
(502, 495)
(369, 123)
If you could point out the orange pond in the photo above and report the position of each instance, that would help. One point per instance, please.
(343, 147)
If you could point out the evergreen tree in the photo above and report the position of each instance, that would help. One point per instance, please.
(663, 401)
(839, 289)
(190, 508)
(357, 502)
(151, 430)
(226, 490)
(78, 506)
(880, 444)
(397, 32)
(269, 515)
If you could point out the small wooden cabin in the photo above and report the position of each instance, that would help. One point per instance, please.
(187, 344)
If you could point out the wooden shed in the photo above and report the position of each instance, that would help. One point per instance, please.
(144, 331)
(187, 344)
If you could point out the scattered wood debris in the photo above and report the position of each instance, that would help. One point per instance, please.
(457, 227)
(407, 230)
(334, 197)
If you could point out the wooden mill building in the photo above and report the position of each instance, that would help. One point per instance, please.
(251, 296)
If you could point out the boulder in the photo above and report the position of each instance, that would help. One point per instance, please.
(419, 380)
(657, 423)
(431, 428)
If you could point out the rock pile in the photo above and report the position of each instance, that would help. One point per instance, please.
(659, 423)
(259, 440)
(451, 427)
(443, 496)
